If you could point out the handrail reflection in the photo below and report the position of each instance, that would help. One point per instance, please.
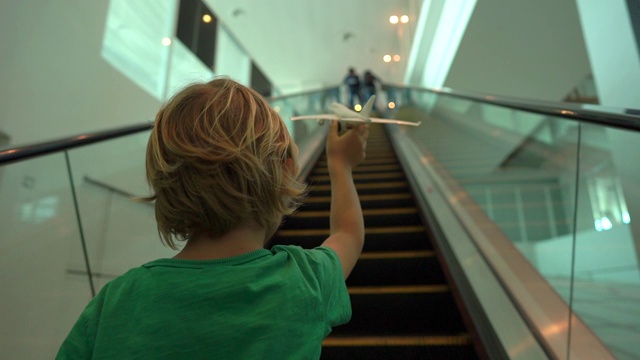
(598, 114)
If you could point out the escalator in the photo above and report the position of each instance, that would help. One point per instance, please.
(403, 305)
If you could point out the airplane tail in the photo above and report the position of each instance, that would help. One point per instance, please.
(366, 109)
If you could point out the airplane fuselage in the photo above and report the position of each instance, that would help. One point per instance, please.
(344, 112)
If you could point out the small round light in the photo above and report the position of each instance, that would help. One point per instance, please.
(404, 19)
(166, 41)
(392, 105)
(206, 18)
(357, 107)
(386, 58)
(393, 19)
(396, 58)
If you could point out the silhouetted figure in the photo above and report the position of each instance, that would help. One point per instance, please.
(370, 81)
(353, 83)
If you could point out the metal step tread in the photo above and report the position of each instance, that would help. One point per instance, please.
(415, 340)
(367, 231)
(398, 289)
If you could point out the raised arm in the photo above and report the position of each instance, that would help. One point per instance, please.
(344, 152)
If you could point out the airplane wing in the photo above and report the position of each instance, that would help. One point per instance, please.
(354, 120)
(316, 117)
(396, 122)
(322, 117)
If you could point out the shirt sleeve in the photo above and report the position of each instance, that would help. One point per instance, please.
(332, 286)
(76, 345)
(323, 271)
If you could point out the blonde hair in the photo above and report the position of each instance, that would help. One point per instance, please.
(216, 159)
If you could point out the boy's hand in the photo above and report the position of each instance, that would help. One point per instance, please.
(349, 149)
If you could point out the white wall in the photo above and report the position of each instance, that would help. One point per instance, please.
(613, 51)
(440, 28)
(528, 49)
(54, 81)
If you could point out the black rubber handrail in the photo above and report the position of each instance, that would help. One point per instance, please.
(621, 118)
(29, 151)
(597, 114)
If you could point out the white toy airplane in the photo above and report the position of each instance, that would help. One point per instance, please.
(348, 116)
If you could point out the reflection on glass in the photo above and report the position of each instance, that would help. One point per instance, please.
(606, 284)
(521, 169)
(43, 279)
(45, 282)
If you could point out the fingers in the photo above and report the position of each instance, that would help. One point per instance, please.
(333, 129)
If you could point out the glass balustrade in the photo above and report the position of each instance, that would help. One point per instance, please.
(563, 192)
(45, 278)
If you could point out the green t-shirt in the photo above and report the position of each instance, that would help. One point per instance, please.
(277, 304)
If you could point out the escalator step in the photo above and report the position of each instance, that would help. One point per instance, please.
(391, 187)
(396, 268)
(372, 201)
(402, 306)
(402, 310)
(360, 178)
(372, 218)
(376, 239)
(399, 347)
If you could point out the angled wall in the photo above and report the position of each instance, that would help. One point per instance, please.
(532, 50)
(55, 82)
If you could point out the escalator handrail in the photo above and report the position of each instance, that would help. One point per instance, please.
(28, 151)
(597, 114)
(621, 118)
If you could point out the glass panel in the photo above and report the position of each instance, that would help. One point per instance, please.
(307, 104)
(518, 167)
(606, 288)
(133, 41)
(120, 233)
(186, 68)
(43, 279)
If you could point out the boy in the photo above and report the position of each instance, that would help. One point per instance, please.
(223, 169)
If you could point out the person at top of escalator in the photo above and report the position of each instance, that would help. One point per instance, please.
(370, 82)
(223, 172)
(352, 80)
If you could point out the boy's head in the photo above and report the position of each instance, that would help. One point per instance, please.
(220, 157)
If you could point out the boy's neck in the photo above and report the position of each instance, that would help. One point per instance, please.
(239, 241)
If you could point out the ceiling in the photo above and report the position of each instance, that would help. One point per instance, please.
(306, 44)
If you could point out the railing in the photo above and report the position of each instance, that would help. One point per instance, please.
(553, 184)
(538, 204)
(67, 229)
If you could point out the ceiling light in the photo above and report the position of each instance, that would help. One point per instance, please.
(396, 57)
(206, 18)
(392, 105)
(358, 107)
(166, 41)
(404, 19)
(393, 19)
(386, 58)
